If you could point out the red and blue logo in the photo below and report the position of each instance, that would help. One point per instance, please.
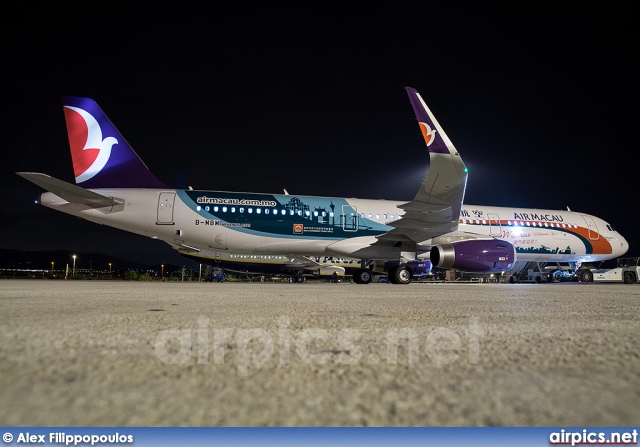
(89, 152)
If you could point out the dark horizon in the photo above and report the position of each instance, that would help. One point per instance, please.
(59, 260)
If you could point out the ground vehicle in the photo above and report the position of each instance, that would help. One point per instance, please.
(214, 274)
(627, 271)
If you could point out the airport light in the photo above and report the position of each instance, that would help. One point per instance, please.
(109, 270)
(162, 267)
(52, 269)
(74, 265)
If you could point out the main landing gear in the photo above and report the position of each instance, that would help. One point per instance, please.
(362, 276)
(400, 275)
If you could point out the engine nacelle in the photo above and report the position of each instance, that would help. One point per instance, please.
(419, 268)
(485, 256)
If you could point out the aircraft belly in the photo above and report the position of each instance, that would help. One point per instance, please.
(365, 247)
(308, 246)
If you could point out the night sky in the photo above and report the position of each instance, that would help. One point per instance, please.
(542, 106)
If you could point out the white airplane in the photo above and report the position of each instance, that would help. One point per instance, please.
(115, 188)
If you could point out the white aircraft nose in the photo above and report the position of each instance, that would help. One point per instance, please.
(623, 246)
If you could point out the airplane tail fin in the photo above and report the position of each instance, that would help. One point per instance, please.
(101, 156)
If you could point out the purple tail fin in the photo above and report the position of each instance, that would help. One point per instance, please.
(101, 156)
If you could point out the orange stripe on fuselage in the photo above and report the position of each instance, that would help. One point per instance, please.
(601, 246)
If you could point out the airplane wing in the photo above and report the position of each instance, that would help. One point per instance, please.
(435, 209)
(70, 193)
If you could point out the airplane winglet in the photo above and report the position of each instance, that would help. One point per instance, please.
(436, 207)
(70, 193)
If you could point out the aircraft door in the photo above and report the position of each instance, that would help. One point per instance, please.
(592, 227)
(349, 218)
(494, 224)
(165, 208)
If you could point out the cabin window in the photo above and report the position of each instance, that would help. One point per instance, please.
(385, 217)
(215, 209)
(197, 207)
(266, 210)
(250, 210)
(233, 209)
(224, 209)
(241, 210)
(377, 216)
(370, 216)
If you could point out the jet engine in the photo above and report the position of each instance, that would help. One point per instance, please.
(485, 256)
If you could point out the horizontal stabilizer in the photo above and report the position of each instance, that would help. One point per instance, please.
(70, 193)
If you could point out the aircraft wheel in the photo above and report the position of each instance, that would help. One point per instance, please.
(299, 279)
(362, 276)
(392, 275)
(629, 278)
(585, 276)
(403, 275)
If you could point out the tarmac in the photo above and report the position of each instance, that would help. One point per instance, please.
(116, 353)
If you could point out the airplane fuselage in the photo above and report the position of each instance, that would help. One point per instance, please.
(206, 222)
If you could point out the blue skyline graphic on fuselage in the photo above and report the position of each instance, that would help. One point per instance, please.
(282, 215)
